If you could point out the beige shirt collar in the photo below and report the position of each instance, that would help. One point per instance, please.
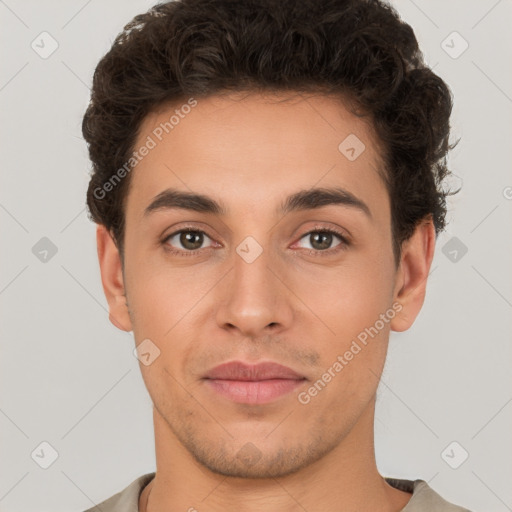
(424, 498)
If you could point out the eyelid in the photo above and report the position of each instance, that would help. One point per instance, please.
(185, 226)
(340, 232)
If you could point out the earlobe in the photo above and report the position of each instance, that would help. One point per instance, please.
(411, 282)
(112, 279)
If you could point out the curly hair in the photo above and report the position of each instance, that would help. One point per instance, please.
(356, 49)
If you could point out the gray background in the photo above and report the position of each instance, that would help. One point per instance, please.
(69, 378)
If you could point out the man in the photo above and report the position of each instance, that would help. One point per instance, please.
(267, 188)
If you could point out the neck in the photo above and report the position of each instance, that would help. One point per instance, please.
(346, 478)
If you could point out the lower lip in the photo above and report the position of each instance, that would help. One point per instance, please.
(254, 392)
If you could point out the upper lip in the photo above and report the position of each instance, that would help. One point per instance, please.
(237, 370)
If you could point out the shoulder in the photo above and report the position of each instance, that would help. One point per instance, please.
(126, 500)
(424, 498)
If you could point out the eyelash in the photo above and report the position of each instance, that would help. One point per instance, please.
(311, 252)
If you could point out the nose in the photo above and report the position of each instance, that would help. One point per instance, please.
(254, 300)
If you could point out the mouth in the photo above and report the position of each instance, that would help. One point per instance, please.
(253, 384)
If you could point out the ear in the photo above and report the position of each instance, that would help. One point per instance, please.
(412, 274)
(112, 279)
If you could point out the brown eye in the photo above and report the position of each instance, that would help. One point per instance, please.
(187, 240)
(322, 240)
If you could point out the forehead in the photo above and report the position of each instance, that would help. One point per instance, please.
(252, 149)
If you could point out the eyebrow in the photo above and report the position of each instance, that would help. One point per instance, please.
(299, 201)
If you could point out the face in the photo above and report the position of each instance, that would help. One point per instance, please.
(264, 267)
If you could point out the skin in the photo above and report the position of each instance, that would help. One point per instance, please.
(290, 306)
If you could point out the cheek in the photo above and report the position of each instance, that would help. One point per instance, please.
(162, 296)
(160, 304)
(157, 304)
(350, 302)
(347, 298)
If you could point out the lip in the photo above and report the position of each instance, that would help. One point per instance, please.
(238, 370)
(253, 384)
